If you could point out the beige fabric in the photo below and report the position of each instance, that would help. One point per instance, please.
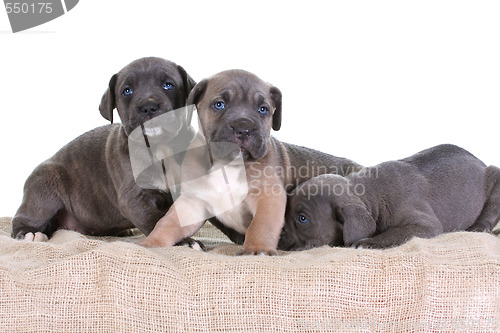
(80, 284)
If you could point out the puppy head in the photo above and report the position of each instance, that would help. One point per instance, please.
(236, 106)
(144, 89)
(323, 211)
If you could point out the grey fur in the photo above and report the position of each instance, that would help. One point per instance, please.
(441, 189)
(88, 185)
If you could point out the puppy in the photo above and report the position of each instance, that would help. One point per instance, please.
(89, 186)
(441, 189)
(246, 192)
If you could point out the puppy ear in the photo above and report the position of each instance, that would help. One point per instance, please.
(108, 102)
(187, 81)
(195, 95)
(276, 97)
(358, 223)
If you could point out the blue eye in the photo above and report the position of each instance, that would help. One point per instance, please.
(168, 86)
(219, 105)
(127, 91)
(302, 219)
(263, 110)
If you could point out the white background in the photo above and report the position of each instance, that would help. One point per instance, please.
(368, 80)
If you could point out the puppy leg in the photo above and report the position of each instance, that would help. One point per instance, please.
(420, 225)
(36, 218)
(192, 243)
(145, 208)
(263, 234)
(171, 229)
(491, 211)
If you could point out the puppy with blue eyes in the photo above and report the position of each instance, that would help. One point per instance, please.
(237, 111)
(438, 190)
(88, 185)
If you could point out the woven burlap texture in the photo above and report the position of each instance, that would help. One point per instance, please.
(75, 283)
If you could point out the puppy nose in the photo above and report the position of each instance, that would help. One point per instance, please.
(149, 107)
(243, 128)
(241, 133)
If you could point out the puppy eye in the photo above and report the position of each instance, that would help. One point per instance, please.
(302, 219)
(168, 86)
(263, 110)
(219, 105)
(127, 91)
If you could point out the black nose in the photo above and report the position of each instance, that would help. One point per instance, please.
(243, 128)
(149, 108)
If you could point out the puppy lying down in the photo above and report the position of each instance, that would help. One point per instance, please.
(441, 189)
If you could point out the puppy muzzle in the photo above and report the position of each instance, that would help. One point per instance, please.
(243, 129)
(245, 133)
(146, 112)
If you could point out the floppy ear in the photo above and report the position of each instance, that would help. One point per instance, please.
(276, 97)
(358, 223)
(195, 95)
(108, 102)
(187, 81)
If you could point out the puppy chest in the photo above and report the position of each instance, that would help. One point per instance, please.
(223, 193)
(238, 218)
(229, 191)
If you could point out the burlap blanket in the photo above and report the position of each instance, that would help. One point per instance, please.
(81, 284)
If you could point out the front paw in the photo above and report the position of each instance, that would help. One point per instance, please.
(366, 243)
(151, 242)
(34, 237)
(257, 250)
(146, 243)
(192, 243)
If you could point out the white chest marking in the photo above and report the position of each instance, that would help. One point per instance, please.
(222, 193)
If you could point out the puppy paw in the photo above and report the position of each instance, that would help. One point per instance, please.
(256, 250)
(35, 237)
(128, 233)
(366, 243)
(147, 243)
(151, 242)
(192, 243)
(481, 228)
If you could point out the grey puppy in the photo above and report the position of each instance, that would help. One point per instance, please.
(441, 189)
(88, 185)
